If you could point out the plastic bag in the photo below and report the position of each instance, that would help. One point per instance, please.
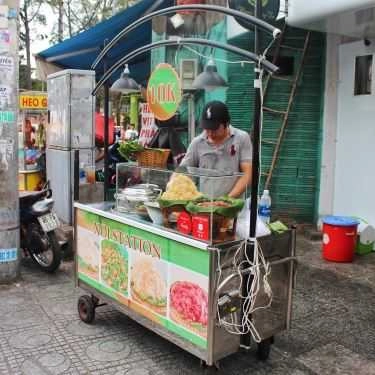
(243, 223)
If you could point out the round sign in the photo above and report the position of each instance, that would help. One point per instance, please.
(164, 92)
(269, 11)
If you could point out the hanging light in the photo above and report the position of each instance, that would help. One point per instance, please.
(209, 79)
(125, 84)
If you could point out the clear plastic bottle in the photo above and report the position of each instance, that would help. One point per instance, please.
(264, 207)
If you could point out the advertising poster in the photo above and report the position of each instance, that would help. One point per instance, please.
(5, 96)
(6, 66)
(158, 278)
(4, 10)
(148, 127)
(4, 41)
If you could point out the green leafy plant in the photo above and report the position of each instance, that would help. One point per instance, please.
(128, 149)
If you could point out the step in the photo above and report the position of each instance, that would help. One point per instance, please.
(276, 111)
(291, 48)
(281, 78)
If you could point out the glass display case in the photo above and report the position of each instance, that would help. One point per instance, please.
(190, 201)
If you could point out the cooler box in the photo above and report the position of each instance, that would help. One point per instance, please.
(339, 238)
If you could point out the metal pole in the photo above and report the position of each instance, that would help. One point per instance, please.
(76, 177)
(256, 131)
(9, 208)
(191, 115)
(106, 132)
(246, 340)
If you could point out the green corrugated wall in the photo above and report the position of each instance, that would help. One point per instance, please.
(295, 183)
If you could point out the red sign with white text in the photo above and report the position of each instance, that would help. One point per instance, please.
(148, 127)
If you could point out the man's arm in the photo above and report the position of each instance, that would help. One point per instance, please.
(190, 158)
(243, 181)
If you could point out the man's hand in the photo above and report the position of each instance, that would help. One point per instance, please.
(245, 180)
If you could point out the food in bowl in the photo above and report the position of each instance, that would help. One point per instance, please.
(180, 187)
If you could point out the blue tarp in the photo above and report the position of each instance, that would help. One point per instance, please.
(80, 51)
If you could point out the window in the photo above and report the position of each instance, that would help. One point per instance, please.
(285, 65)
(363, 75)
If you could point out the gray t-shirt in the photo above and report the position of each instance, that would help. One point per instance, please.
(224, 159)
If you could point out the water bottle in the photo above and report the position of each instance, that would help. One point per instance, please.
(82, 173)
(264, 207)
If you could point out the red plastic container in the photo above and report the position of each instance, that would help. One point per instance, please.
(339, 238)
(184, 223)
(201, 227)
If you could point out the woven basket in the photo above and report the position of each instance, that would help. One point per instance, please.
(153, 157)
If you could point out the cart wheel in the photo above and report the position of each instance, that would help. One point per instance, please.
(264, 349)
(86, 309)
(210, 370)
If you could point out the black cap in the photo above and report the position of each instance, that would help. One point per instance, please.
(214, 113)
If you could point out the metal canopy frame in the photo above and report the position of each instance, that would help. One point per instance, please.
(271, 68)
(205, 8)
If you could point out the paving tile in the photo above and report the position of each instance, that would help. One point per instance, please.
(333, 358)
(42, 334)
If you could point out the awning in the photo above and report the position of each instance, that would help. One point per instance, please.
(353, 18)
(80, 51)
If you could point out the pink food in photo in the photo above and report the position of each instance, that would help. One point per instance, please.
(190, 301)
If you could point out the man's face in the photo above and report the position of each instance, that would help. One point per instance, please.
(217, 135)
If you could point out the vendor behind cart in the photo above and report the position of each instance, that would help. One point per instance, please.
(222, 148)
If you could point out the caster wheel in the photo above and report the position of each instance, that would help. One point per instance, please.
(264, 349)
(86, 309)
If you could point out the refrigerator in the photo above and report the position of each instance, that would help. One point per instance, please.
(71, 127)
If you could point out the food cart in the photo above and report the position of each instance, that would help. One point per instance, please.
(177, 271)
(168, 254)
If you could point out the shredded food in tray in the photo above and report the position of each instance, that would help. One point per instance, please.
(181, 187)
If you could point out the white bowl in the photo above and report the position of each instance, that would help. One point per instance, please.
(153, 210)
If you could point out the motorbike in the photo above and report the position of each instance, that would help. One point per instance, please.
(38, 229)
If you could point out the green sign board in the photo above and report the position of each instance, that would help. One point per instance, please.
(164, 92)
(165, 281)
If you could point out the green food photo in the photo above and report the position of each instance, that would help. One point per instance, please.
(114, 270)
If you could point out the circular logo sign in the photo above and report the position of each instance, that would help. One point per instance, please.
(164, 92)
(325, 239)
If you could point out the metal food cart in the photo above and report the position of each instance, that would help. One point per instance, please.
(178, 286)
(198, 294)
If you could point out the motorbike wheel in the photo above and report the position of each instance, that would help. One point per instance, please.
(50, 259)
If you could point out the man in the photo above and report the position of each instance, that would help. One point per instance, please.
(222, 148)
(131, 134)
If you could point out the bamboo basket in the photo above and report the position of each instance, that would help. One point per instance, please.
(153, 157)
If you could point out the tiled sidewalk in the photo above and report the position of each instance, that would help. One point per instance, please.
(333, 329)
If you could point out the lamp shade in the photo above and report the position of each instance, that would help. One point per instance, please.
(125, 84)
(209, 79)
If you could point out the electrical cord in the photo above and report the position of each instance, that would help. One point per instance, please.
(241, 260)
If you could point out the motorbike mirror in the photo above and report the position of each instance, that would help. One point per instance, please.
(49, 193)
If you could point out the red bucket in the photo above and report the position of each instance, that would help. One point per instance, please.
(339, 238)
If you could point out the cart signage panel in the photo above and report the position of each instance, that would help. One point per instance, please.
(33, 102)
(156, 277)
(164, 92)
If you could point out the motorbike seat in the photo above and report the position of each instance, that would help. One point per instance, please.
(28, 198)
